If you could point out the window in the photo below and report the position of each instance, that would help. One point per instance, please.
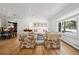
(69, 25)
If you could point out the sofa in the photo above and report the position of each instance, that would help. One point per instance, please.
(27, 40)
(52, 40)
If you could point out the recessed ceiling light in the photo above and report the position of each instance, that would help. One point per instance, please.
(29, 9)
(3, 9)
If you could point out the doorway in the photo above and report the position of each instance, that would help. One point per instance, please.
(59, 27)
(14, 28)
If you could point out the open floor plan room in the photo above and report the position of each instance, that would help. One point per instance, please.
(39, 29)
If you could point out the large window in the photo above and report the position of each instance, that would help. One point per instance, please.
(40, 27)
(69, 25)
(40, 24)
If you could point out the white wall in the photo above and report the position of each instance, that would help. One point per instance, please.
(52, 25)
(72, 14)
(3, 21)
(78, 27)
(0, 22)
(28, 21)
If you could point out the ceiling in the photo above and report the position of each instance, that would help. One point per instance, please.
(40, 10)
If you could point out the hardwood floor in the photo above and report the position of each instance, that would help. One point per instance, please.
(11, 47)
(68, 50)
(39, 50)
